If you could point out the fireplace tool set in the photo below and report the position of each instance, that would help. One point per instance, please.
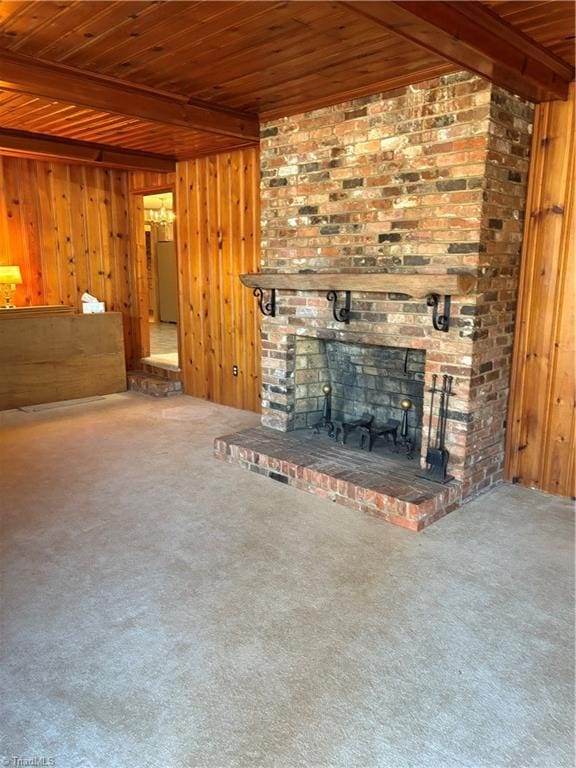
(437, 455)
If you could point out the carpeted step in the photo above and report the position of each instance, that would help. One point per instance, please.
(150, 384)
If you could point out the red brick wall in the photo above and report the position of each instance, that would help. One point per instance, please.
(428, 178)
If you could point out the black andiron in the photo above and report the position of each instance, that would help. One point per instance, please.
(370, 432)
(363, 425)
(326, 420)
(405, 439)
(437, 455)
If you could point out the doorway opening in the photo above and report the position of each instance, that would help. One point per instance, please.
(162, 280)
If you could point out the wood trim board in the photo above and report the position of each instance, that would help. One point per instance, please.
(36, 311)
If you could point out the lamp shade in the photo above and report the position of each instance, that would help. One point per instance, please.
(10, 275)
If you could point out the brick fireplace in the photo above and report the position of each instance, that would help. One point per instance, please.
(430, 180)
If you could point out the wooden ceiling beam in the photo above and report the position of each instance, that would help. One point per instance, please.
(40, 147)
(473, 37)
(22, 74)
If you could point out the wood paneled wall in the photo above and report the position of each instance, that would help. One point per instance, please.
(74, 228)
(540, 449)
(67, 227)
(218, 238)
(149, 182)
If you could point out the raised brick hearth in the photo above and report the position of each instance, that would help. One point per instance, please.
(379, 485)
(428, 179)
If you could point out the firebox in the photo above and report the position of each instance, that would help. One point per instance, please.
(363, 379)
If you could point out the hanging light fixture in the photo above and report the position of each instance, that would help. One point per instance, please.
(159, 216)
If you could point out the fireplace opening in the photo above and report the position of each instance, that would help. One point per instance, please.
(366, 382)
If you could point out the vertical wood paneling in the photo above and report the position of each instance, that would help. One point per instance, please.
(248, 339)
(148, 182)
(139, 276)
(540, 446)
(229, 189)
(217, 208)
(67, 227)
(212, 287)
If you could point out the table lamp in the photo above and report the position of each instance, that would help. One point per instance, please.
(10, 277)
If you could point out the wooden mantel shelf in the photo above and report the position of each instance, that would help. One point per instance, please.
(418, 286)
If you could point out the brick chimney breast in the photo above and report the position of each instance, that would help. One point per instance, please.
(427, 178)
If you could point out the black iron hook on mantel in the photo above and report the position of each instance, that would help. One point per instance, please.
(341, 315)
(440, 322)
(440, 319)
(268, 309)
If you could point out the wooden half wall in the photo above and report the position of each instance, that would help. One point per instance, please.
(540, 449)
(218, 239)
(67, 226)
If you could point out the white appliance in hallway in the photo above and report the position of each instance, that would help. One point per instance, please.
(167, 281)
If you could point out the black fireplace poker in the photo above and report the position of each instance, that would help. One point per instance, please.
(437, 455)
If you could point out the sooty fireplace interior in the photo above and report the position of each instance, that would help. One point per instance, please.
(366, 383)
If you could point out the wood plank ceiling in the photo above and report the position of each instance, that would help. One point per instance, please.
(182, 79)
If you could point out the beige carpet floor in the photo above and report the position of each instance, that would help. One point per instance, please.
(161, 608)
